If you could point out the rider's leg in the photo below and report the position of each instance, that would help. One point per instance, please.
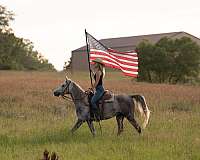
(95, 108)
(98, 94)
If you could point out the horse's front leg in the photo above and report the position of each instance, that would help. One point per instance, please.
(77, 125)
(91, 126)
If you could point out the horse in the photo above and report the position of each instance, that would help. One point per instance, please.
(122, 106)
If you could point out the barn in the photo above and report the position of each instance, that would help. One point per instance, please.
(79, 59)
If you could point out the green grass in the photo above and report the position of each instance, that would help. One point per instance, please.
(32, 120)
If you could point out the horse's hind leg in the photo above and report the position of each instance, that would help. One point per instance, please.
(91, 126)
(120, 119)
(77, 125)
(132, 120)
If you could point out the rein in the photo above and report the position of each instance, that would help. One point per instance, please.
(72, 99)
(67, 98)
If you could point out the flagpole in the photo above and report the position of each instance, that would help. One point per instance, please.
(88, 57)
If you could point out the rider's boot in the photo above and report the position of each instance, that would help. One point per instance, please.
(97, 115)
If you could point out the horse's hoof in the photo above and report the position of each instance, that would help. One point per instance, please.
(118, 134)
(71, 133)
(139, 131)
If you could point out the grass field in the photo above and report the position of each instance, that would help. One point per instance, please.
(32, 119)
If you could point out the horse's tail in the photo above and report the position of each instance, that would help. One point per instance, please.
(141, 105)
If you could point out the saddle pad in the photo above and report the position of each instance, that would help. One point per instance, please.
(110, 99)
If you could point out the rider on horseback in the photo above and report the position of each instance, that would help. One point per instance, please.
(99, 73)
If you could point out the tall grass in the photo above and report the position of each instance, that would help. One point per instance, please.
(32, 119)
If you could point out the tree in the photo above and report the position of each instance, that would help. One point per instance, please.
(5, 18)
(187, 60)
(67, 65)
(169, 60)
(18, 53)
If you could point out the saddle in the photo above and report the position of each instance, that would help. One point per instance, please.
(107, 97)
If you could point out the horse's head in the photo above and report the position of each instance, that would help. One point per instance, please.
(64, 88)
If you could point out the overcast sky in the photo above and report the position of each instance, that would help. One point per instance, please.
(56, 27)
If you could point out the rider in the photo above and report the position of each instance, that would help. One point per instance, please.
(99, 73)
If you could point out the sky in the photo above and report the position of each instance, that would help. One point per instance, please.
(56, 27)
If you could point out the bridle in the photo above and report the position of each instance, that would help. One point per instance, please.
(72, 99)
(67, 86)
(64, 90)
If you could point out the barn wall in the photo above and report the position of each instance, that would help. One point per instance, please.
(79, 61)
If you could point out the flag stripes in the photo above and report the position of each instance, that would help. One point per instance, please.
(129, 68)
(105, 54)
(93, 56)
(127, 62)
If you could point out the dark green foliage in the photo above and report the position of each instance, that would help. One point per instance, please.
(17, 53)
(5, 17)
(169, 61)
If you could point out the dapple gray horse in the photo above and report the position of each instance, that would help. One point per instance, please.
(122, 106)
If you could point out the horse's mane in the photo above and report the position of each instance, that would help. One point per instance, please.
(78, 86)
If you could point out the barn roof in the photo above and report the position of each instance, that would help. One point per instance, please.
(132, 41)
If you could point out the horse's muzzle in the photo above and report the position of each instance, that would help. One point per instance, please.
(57, 94)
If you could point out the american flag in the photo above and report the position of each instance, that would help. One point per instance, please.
(127, 62)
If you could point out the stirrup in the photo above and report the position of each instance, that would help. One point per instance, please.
(96, 114)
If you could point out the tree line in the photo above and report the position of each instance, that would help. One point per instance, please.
(169, 61)
(18, 53)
